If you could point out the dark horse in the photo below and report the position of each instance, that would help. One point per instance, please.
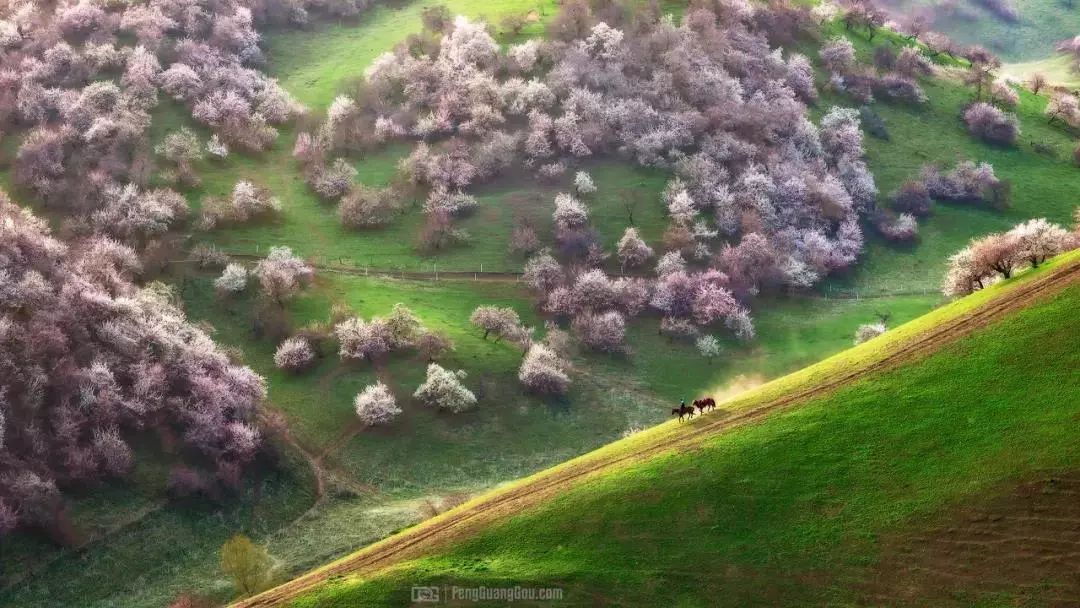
(683, 411)
(708, 403)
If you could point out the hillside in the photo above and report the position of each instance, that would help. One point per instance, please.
(337, 485)
(806, 490)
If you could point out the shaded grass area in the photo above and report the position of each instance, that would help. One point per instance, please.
(152, 549)
(788, 511)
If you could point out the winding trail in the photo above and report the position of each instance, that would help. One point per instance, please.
(534, 490)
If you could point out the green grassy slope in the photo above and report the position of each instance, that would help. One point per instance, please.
(1042, 24)
(791, 510)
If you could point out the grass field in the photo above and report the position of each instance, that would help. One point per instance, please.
(795, 509)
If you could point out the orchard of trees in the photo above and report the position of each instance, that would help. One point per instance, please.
(762, 198)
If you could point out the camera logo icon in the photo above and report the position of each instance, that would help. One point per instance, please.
(425, 594)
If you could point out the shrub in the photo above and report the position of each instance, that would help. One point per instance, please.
(911, 63)
(991, 124)
(583, 183)
(838, 55)
(217, 148)
(632, 250)
(185, 482)
(247, 564)
(503, 322)
(359, 339)
(903, 227)
(570, 213)
(873, 123)
(543, 372)
(679, 329)
(868, 331)
(912, 197)
(443, 389)
(900, 88)
(281, 274)
(884, 57)
(232, 280)
(208, 256)
(709, 347)
(966, 182)
(433, 345)
(1044, 149)
(331, 183)
(375, 405)
(523, 240)
(603, 332)
(247, 202)
(1064, 108)
(294, 354)
(1037, 82)
(542, 272)
(365, 207)
(439, 232)
(181, 148)
(1002, 95)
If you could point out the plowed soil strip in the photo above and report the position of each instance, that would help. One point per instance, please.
(440, 530)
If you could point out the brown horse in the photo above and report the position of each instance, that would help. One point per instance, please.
(708, 403)
(683, 411)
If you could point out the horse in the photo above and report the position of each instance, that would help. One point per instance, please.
(683, 411)
(708, 403)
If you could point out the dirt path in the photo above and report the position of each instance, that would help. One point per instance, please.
(316, 470)
(442, 529)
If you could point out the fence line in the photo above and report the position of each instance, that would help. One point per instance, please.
(430, 271)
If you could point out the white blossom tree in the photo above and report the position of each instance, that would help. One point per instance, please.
(376, 406)
(543, 372)
(443, 389)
